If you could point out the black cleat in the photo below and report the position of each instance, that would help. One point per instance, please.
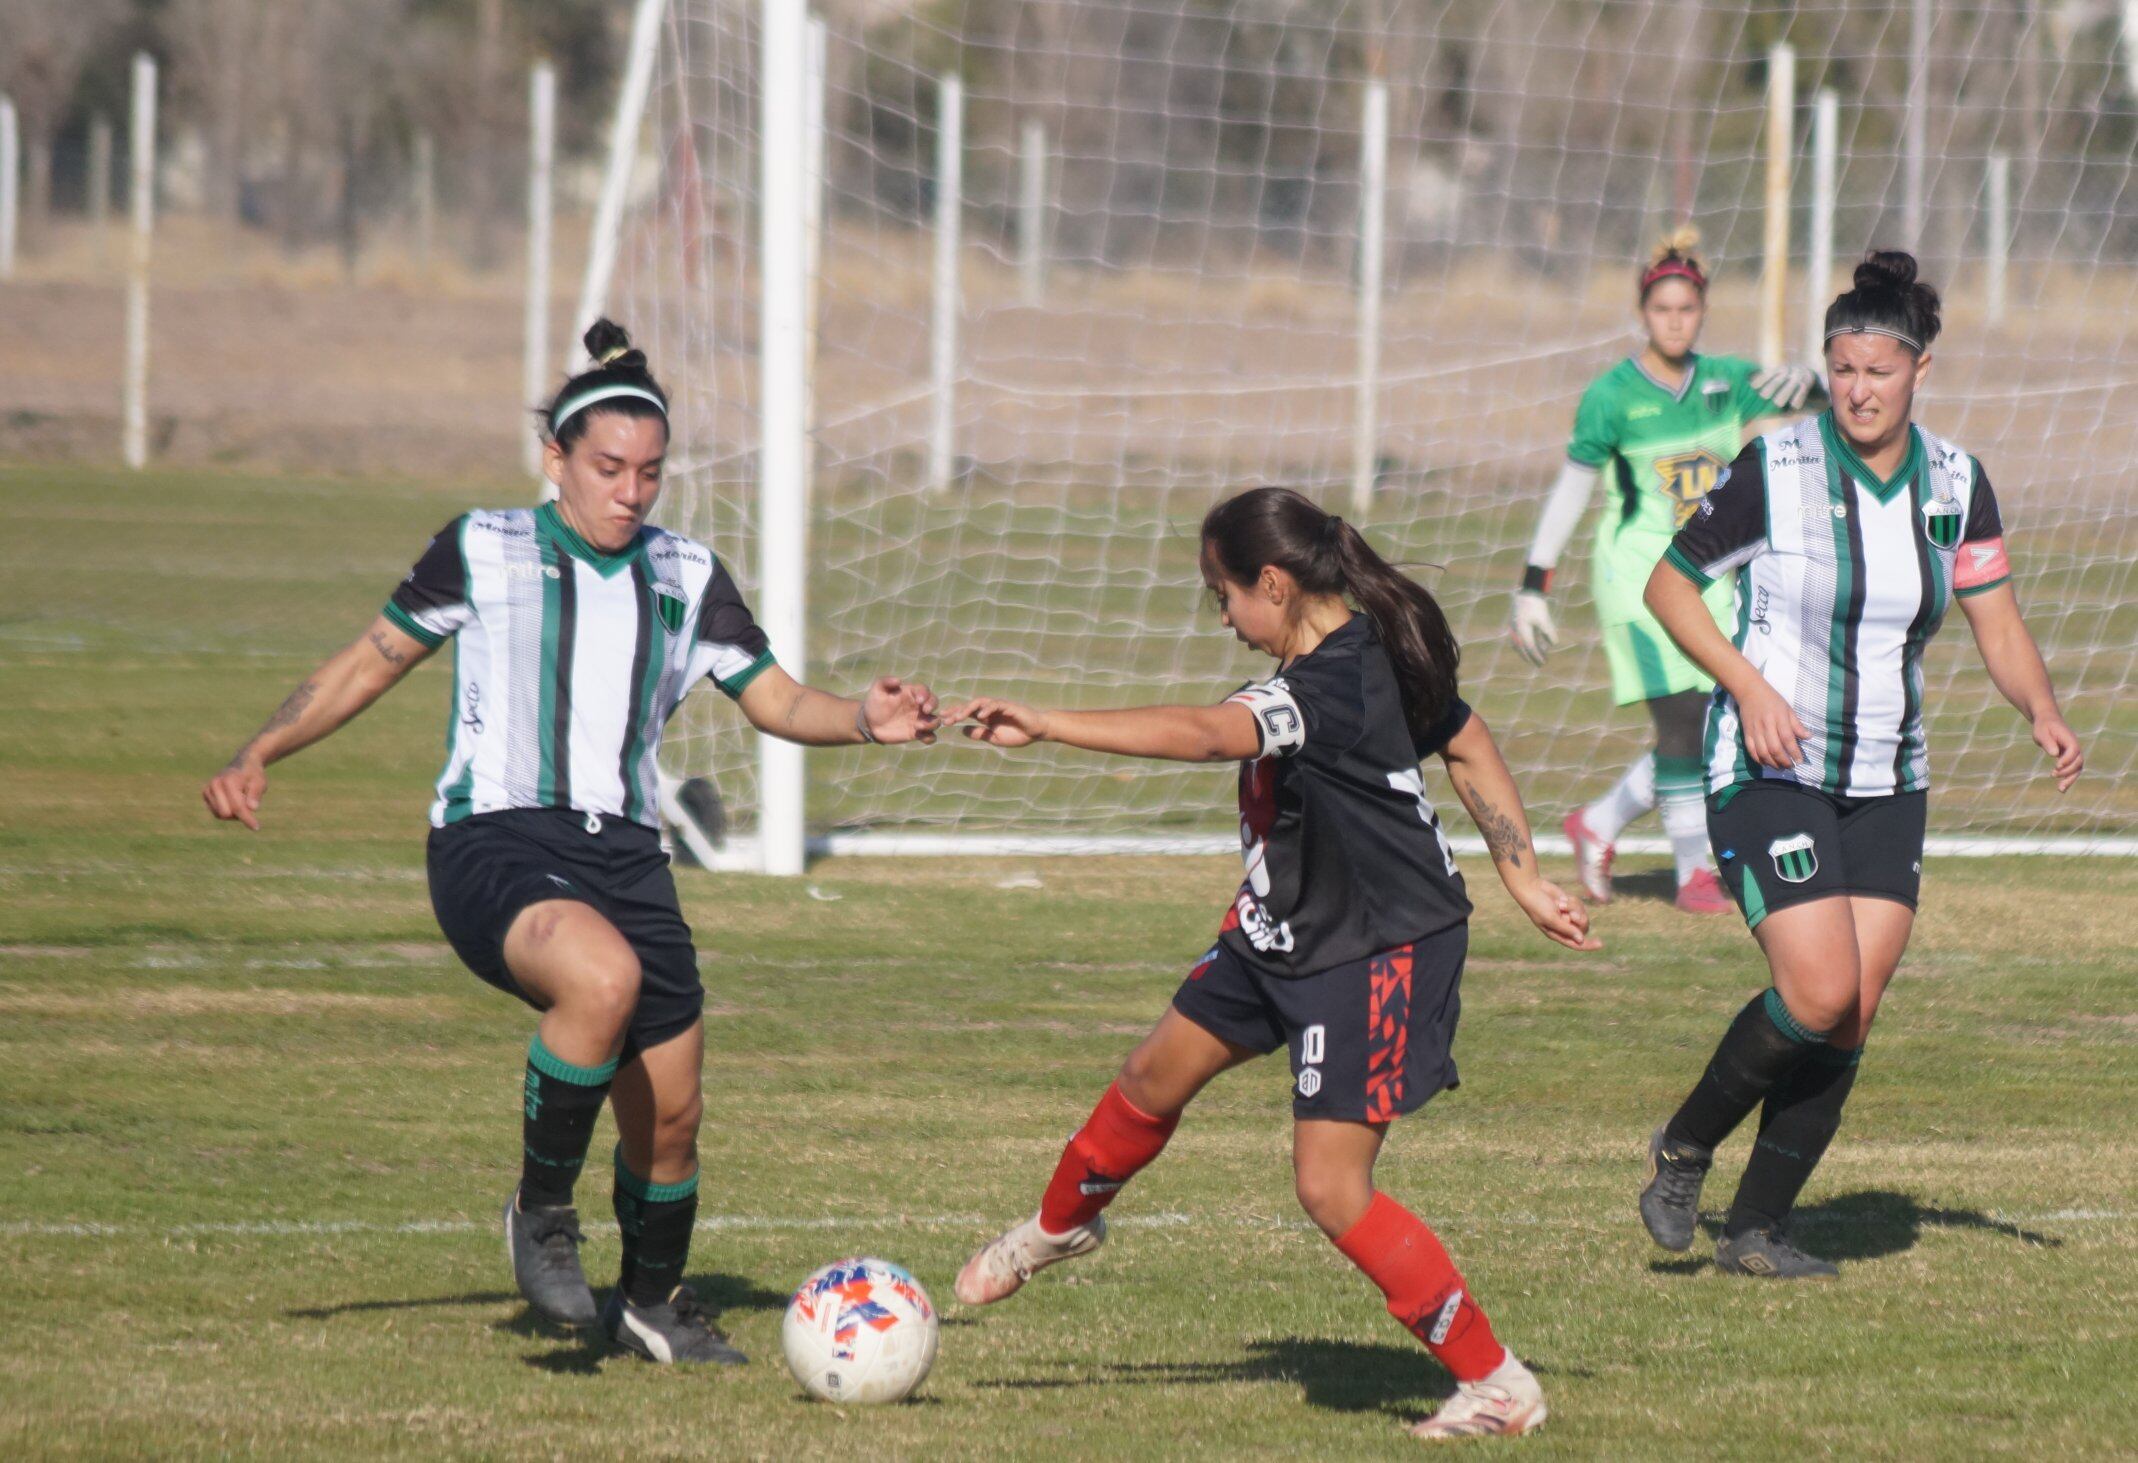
(1670, 1203)
(675, 1331)
(1769, 1254)
(543, 1244)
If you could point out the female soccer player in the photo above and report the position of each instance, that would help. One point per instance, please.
(1849, 535)
(1345, 943)
(578, 627)
(1661, 425)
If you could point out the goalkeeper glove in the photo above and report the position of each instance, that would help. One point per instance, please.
(1531, 624)
(1787, 387)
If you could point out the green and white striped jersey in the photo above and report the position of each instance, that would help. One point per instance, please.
(1842, 578)
(568, 662)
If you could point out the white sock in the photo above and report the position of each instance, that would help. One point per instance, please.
(1685, 820)
(1633, 795)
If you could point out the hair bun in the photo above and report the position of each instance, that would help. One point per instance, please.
(609, 345)
(1679, 242)
(1886, 269)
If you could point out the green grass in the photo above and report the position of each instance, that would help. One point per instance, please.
(255, 1120)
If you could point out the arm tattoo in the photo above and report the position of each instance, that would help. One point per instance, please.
(1503, 836)
(287, 714)
(385, 649)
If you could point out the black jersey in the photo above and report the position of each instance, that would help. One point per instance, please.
(1345, 857)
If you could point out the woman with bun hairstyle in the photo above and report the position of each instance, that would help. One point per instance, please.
(1848, 536)
(578, 628)
(1658, 427)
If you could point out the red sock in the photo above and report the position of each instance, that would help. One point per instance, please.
(1425, 1291)
(1116, 1140)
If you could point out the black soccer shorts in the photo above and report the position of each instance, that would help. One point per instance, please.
(1780, 843)
(484, 870)
(1369, 1040)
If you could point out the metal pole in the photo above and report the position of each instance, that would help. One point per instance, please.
(949, 184)
(1999, 243)
(1918, 127)
(142, 162)
(10, 172)
(1032, 211)
(534, 345)
(783, 390)
(426, 190)
(623, 152)
(100, 178)
(1819, 262)
(1373, 199)
(1774, 278)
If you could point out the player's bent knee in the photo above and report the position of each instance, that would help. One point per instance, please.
(607, 991)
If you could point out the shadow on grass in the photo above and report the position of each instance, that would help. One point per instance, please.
(1342, 1376)
(1658, 884)
(1867, 1225)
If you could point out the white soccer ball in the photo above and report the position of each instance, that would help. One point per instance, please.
(860, 1331)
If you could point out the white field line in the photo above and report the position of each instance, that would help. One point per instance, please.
(797, 1224)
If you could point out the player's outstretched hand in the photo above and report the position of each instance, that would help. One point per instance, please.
(1000, 723)
(234, 793)
(900, 711)
(1773, 735)
(1557, 913)
(2060, 742)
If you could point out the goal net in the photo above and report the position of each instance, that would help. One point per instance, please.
(1084, 266)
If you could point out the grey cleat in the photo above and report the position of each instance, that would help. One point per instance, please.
(1769, 1254)
(543, 1245)
(675, 1331)
(1670, 1202)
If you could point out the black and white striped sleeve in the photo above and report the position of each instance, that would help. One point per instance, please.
(729, 646)
(433, 601)
(1729, 527)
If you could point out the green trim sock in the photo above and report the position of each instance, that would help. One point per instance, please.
(1802, 1114)
(1763, 1045)
(1679, 798)
(560, 1103)
(656, 1220)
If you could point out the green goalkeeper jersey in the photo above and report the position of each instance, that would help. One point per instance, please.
(1658, 451)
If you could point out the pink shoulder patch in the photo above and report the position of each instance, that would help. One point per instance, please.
(1980, 563)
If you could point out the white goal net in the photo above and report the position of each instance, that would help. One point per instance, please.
(1086, 265)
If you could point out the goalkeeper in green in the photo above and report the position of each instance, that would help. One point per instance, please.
(1659, 428)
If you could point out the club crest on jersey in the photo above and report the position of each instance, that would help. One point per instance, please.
(1794, 858)
(1941, 522)
(669, 603)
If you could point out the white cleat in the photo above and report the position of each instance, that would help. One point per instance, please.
(1592, 857)
(1002, 1265)
(1506, 1404)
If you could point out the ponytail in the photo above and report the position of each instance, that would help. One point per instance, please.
(1328, 556)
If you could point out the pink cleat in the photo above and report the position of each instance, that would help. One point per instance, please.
(1592, 858)
(1002, 1265)
(1703, 894)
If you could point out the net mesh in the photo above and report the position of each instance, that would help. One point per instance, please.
(1195, 329)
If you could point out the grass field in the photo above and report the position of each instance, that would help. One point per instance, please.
(256, 1121)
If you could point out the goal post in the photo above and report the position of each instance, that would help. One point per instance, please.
(1084, 267)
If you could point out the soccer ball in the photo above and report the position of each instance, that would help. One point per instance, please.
(860, 1331)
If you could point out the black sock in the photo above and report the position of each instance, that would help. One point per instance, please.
(562, 1103)
(1758, 1050)
(1802, 1115)
(656, 1221)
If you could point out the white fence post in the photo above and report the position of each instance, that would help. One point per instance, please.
(1032, 211)
(10, 172)
(1819, 258)
(1373, 209)
(99, 177)
(783, 389)
(1999, 243)
(142, 163)
(943, 338)
(1774, 278)
(1917, 128)
(623, 154)
(534, 347)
